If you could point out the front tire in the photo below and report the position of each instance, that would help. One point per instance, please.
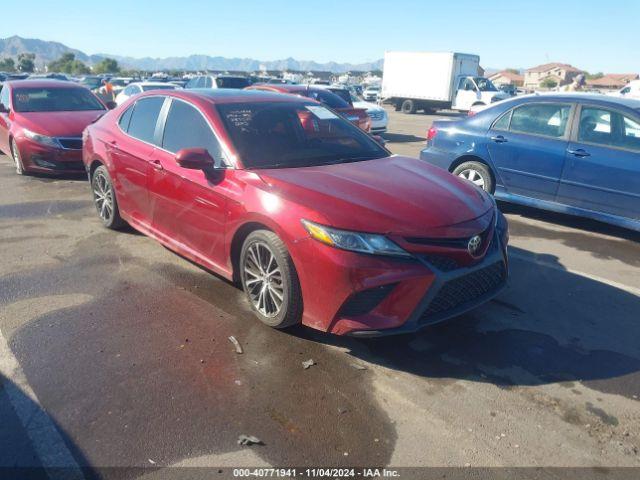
(17, 159)
(104, 198)
(270, 280)
(408, 106)
(477, 173)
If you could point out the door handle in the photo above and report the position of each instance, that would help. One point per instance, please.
(112, 144)
(579, 152)
(157, 165)
(499, 139)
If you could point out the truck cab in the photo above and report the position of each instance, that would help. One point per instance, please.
(473, 91)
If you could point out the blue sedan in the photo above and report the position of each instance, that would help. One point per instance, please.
(570, 153)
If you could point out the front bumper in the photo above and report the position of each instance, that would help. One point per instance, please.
(39, 158)
(347, 293)
(453, 293)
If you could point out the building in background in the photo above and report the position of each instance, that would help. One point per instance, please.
(507, 77)
(543, 76)
(612, 81)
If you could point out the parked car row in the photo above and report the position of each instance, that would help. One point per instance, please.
(313, 217)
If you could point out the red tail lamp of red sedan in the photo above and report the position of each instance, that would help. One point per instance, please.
(320, 224)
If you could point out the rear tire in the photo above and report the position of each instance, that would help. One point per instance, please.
(269, 280)
(408, 106)
(477, 173)
(17, 159)
(104, 198)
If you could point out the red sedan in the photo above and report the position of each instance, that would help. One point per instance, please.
(41, 124)
(316, 221)
(357, 116)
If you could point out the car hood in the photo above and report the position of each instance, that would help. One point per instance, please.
(392, 195)
(58, 124)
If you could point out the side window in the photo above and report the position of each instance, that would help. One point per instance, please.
(631, 133)
(186, 128)
(608, 128)
(4, 97)
(200, 83)
(144, 118)
(503, 122)
(128, 91)
(126, 118)
(547, 119)
(208, 83)
(192, 83)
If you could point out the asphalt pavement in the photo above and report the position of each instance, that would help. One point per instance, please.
(114, 352)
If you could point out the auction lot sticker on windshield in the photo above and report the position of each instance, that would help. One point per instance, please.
(321, 112)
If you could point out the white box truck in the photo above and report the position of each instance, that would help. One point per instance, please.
(429, 81)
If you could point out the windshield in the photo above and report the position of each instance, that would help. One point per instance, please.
(54, 100)
(232, 82)
(168, 86)
(282, 135)
(485, 85)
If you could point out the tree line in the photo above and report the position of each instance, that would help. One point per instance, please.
(67, 63)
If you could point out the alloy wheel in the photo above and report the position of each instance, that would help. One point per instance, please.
(263, 279)
(103, 196)
(473, 176)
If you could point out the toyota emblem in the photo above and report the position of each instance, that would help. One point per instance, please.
(474, 245)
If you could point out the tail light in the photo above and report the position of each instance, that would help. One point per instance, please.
(431, 133)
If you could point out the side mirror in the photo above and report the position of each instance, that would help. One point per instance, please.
(194, 159)
(111, 104)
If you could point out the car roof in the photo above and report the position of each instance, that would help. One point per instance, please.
(43, 83)
(587, 97)
(228, 95)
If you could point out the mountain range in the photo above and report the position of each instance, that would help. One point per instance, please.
(47, 51)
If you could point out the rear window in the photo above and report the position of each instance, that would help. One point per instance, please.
(232, 82)
(282, 135)
(54, 100)
(343, 94)
(328, 98)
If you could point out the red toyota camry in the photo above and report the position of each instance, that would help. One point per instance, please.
(316, 221)
(41, 124)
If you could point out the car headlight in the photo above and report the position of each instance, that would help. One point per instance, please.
(41, 139)
(370, 243)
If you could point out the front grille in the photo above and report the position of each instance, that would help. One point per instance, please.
(466, 289)
(365, 301)
(71, 143)
(441, 262)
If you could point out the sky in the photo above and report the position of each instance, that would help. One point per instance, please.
(591, 35)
